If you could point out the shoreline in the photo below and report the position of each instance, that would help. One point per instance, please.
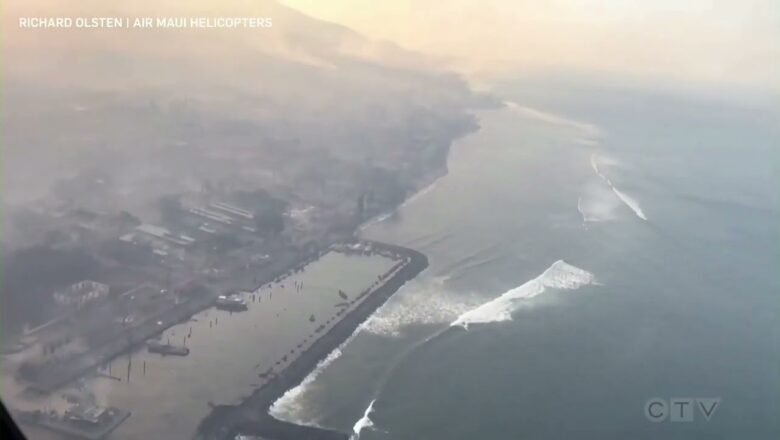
(251, 416)
(428, 183)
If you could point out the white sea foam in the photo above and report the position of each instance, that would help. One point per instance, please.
(364, 422)
(560, 275)
(290, 406)
(426, 301)
(625, 198)
(631, 203)
(597, 203)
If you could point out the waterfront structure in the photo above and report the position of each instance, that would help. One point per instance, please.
(231, 303)
(79, 421)
(233, 210)
(160, 233)
(81, 293)
(224, 214)
(167, 349)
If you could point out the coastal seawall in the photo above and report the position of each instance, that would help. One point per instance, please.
(251, 416)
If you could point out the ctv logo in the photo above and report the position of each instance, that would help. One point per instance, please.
(681, 409)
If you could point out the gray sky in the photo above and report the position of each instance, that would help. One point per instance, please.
(712, 43)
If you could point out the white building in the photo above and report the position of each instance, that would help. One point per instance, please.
(81, 293)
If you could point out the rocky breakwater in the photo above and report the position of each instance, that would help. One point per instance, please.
(251, 416)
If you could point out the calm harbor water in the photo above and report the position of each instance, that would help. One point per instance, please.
(602, 249)
(230, 352)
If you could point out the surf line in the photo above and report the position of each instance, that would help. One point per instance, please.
(365, 422)
(560, 275)
(625, 198)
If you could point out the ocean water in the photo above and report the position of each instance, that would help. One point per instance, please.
(590, 250)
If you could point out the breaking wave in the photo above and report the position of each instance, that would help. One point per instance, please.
(560, 275)
(364, 422)
(290, 407)
(625, 198)
(631, 203)
(427, 301)
(387, 320)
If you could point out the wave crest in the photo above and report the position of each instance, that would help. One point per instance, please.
(364, 422)
(560, 275)
(625, 198)
(290, 407)
(423, 302)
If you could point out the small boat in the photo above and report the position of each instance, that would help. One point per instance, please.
(231, 302)
(167, 349)
(268, 373)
